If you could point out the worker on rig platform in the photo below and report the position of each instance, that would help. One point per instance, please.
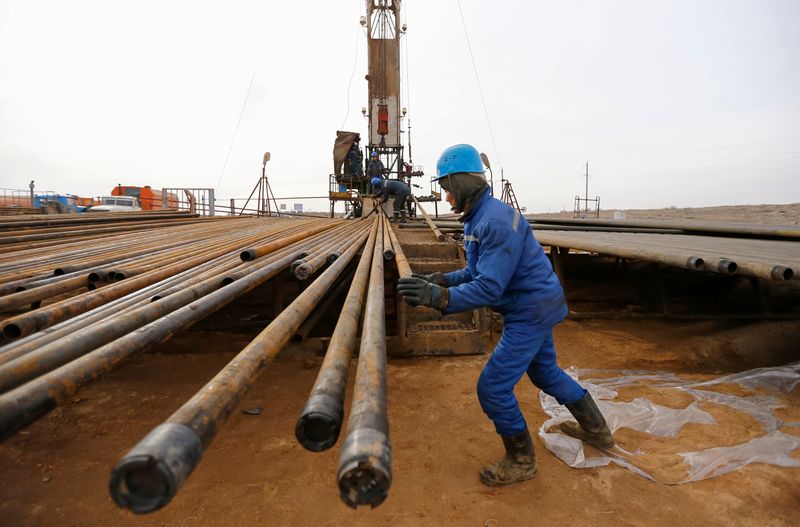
(508, 271)
(383, 188)
(375, 166)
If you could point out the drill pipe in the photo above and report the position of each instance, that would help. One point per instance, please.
(66, 349)
(436, 232)
(87, 220)
(673, 258)
(388, 253)
(148, 263)
(318, 427)
(117, 307)
(28, 296)
(306, 247)
(305, 268)
(365, 459)
(102, 251)
(28, 323)
(260, 250)
(337, 252)
(38, 290)
(399, 256)
(5, 240)
(330, 300)
(109, 250)
(131, 301)
(155, 469)
(24, 404)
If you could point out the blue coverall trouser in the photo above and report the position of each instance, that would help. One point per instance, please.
(523, 348)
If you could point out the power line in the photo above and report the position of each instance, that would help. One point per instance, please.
(478, 80)
(350, 82)
(241, 113)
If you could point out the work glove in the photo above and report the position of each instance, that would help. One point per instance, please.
(419, 292)
(434, 278)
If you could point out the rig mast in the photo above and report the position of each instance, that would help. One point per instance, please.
(385, 113)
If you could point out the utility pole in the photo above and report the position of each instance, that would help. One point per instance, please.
(586, 202)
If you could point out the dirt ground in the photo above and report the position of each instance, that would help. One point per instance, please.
(788, 214)
(56, 471)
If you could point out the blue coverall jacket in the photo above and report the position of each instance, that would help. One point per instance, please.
(396, 188)
(508, 271)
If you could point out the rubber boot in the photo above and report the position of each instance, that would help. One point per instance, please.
(519, 463)
(403, 216)
(591, 427)
(396, 217)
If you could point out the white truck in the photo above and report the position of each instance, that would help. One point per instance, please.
(116, 204)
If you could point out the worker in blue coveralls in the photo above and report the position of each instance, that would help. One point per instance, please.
(375, 166)
(508, 271)
(383, 188)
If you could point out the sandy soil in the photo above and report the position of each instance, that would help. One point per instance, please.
(788, 214)
(56, 471)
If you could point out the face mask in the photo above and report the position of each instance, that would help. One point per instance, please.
(464, 186)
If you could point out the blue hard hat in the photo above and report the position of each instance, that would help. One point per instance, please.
(376, 182)
(458, 158)
(374, 153)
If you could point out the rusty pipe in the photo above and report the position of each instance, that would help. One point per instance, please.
(150, 474)
(388, 253)
(365, 460)
(312, 263)
(26, 403)
(318, 427)
(399, 256)
(330, 300)
(120, 306)
(28, 323)
(436, 232)
(260, 250)
(55, 354)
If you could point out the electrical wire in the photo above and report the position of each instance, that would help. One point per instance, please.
(408, 83)
(352, 74)
(478, 80)
(238, 121)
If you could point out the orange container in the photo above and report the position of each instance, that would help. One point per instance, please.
(149, 198)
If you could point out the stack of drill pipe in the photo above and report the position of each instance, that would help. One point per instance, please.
(152, 472)
(73, 255)
(93, 235)
(28, 323)
(11, 238)
(48, 357)
(456, 226)
(316, 259)
(156, 322)
(117, 307)
(121, 307)
(365, 459)
(768, 259)
(719, 248)
(44, 221)
(319, 425)
(436, 232)
(688, 227)
(330, 300)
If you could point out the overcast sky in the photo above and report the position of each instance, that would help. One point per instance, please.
(672, 103)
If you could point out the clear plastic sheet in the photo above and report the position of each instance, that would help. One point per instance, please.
(773, 446)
